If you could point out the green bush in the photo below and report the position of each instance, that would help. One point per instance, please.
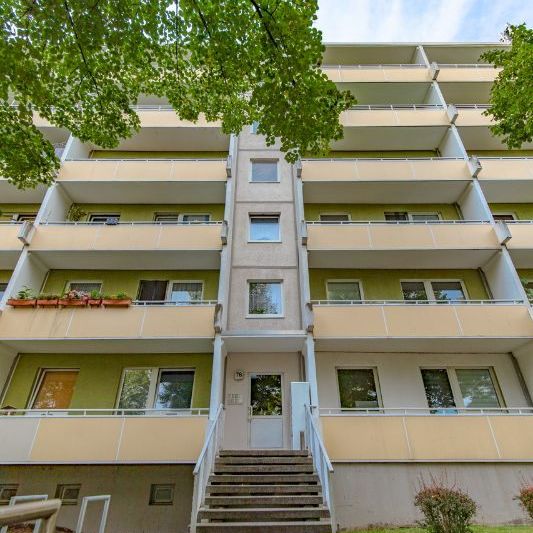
(445, 509)
(526, 499)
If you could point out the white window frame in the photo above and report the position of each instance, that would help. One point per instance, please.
(505, 213)
(263, 160)
(107, 215)
(264, 215)
(181, 215)
(411, 213)
(70, 282)
(154, 380)
(172, 281)
(454, 383)
(40, 379)
(429, 289)
(349, 215)
(353, 367)
(166, 214)
(281, 314)
(358, 281)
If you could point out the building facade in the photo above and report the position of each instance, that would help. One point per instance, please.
(394, 277)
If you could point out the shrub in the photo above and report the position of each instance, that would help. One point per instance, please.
(445, 509)
(526, 499)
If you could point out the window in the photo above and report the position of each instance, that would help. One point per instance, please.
(110, 219)
(254, 127)
(414, 217)
(266, 394)
(7, 491)
(54, 389)
(186, 291)
(264, 171)
(3, 287)
(422, 217)
(440, 291)
(265, 298)
(152, 290)
(166, 218)
(162, 494)
(68, 494)
(195, 218)
(334, 218)
(344, 290)
(447, 388)
(394, 215)
(264, 228)
(503, 216)
(85, 286)
(357, 388)
(146, 388)
(23, 217)
(528, 287)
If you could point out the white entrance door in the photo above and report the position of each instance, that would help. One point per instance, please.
(265, 411)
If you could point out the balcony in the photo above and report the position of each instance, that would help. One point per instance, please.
(491, 326)
(101, 436)
(385, 180)
(143, 328)
(145, 180)
(472, 115)
(415, 435)
(475, 72)
(10, 245)
(394, 115)
(148, 245)
(520, 245)
(377, 73)
(506, 179)
(443, 244)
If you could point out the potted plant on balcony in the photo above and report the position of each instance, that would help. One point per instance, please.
(75, 213)
(120, 299)
(48, 300)
(25, 298)
(73, 299)
(95, 299)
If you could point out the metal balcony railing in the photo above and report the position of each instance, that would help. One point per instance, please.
(385, 159)
(87, 413)
(465, 65)
(416, 302)
(173, 303)
(135, 223)
(425, 411)
(472, 106)
(377, 66)
(395, 222)
(394, 107)
(145, 159)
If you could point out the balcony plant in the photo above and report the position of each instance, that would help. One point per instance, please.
(120, 299)
(95, 299)
(25, 298)
(73, 299)
(75, 213)
(48, 300)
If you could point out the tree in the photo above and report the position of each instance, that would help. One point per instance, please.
(81, 64)
(512, 93)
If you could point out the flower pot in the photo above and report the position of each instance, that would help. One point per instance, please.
(94, 302)
(48, 303)
(74, 302)
(113, 302)
(16, 302)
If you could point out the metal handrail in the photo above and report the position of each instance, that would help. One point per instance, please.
(321, 460)
(152, 107)
(204, 464)
(134, 223)
(147, 303)
(104, 413)
(46, 511)
(397, 222)
(335, 159)
(425, 411)
(516, 221)
(148, 159)
(11, 222)
(472, 106)
(466, 65)
(393, 107)
(504, 158)
(377, 66)
(416, 302)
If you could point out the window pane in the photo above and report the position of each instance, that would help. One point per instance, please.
(104, 219)
(423, 217)
(135, 388)
(447, 290)
(438, 389)
(392, 215)
(357, 388)
(264, 228)
(167, 218)
(85, 287)
(174, 390)
(344, 290)
(414, 290)
(265, 298)
(503, 217)
(254, 127)
(3, 287)
(265, 394)
(264, 171)
(334, 218)
(186, 292)
(196, 218)
(477, 387)
(56, 389)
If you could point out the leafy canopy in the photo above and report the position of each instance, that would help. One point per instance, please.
(81, 64)
(512, 93)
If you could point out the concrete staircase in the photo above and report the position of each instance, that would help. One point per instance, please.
(256, 491)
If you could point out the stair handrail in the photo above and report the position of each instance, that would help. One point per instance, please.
(321, 461)
(204, 464)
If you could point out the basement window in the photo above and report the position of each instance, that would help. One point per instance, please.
(68, 494)
(162, 494)
(7, 491)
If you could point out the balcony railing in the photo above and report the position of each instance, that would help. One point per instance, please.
(395, 115)
(393, 107)
(425, 411)
(377, 66)
(396, 222)
(416, 302)
(506, 168)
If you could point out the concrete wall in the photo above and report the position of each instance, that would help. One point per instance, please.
(129, 487)
(371, 494)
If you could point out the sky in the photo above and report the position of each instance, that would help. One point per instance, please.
(420, 20)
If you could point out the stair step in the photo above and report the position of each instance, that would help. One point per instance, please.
(270, 460)
(263, 453)
(263, 489)
(259, 479)
(263, 515)
(265, 527)
(262, 501)
(263, 469)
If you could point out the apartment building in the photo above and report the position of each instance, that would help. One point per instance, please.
(372, 306)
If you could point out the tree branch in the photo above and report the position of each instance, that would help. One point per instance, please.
(259, 12)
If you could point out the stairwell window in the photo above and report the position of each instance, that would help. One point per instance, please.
(358, 388)
(264, 228)
(265, 299)
(264, 171)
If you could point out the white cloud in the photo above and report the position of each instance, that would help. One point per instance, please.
(419, 20)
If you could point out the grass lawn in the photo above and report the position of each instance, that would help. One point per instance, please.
(476, 529)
